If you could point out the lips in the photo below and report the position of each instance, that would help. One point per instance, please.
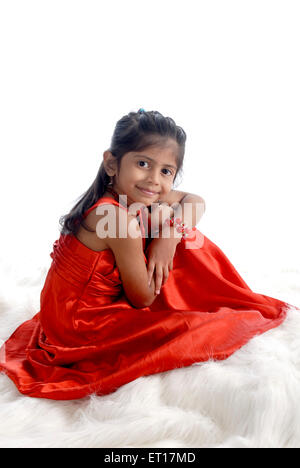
(147, 191)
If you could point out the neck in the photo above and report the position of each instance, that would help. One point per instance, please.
(116, 196)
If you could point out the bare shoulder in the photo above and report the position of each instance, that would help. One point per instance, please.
(122, 228)
(88, 233)
(107, 212)
(99, 224)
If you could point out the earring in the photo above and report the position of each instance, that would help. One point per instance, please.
(111, 180)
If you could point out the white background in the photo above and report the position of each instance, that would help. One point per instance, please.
(226, 71)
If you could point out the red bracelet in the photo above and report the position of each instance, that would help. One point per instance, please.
(179, 225)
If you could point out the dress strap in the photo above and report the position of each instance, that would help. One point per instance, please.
(102, 201)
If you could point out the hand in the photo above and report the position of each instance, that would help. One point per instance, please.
(160, 254)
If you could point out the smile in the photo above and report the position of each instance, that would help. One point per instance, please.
(147, 192)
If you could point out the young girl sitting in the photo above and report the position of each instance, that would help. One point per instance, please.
(149, 294)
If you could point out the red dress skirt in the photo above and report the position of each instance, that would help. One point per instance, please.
(87, 338)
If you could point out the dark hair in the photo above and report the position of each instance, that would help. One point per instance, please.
(133, 132)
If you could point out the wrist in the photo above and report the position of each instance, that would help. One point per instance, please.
(169, 232)
(159, 215)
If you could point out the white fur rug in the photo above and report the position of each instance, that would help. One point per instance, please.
(249, 400)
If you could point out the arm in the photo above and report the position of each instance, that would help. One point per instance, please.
(190, 209)
(129, 256)
(163, 247)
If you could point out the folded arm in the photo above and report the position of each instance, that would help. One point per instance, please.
(162, 248)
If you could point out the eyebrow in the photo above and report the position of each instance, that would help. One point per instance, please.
(147, 157)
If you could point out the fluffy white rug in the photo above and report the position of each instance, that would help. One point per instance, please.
(249, 400)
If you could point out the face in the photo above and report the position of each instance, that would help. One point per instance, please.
(152, 169)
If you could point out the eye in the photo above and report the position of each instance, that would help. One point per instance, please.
(142, 162)
(165, 169)
(171, 173)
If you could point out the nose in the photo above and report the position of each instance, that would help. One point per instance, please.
(153, 176)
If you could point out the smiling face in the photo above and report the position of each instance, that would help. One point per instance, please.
(152, 169)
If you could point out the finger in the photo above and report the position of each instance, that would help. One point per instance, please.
(150, 272)
(166, 274)
(171, 265)
(158, 279)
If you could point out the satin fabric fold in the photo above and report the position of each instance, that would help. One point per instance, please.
(87, 338)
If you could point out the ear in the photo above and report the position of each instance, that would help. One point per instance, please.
(109, 162)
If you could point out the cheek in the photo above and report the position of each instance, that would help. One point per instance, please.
(135, 174)
(168, 183)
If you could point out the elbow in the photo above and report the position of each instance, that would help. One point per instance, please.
(145, 303)
(140, 304)
(140, 299)
(150, 300)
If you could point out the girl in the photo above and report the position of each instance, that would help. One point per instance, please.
(120, 304)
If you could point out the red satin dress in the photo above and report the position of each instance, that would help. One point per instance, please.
(87, 338)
